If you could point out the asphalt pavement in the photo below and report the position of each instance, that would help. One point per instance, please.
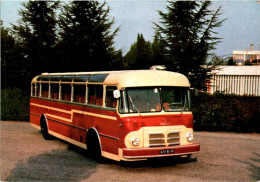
(26, 156)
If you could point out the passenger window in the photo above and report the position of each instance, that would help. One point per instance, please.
(33, 89)
(80, 93)
(110, 100)
(95, 94)
(45, 90)
(66, 92)
(55, 91)
(37, 89)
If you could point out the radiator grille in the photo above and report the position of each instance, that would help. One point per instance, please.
(164, 139)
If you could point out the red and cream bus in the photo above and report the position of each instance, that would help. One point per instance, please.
(120, 115)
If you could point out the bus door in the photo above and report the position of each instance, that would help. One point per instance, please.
(111, 125)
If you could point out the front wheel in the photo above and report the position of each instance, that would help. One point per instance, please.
(93, 147)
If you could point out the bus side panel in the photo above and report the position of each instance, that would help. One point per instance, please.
(68, 121)
(36, 112)
(106, 124)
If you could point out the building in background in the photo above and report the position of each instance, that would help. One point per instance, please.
(247, 57)
(238, 80)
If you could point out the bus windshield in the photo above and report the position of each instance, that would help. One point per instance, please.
(154, 99)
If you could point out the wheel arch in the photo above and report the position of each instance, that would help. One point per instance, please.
(43, 118)
(92, 132)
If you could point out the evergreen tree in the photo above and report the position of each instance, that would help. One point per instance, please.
(11, 61)
(139, 55)
(230, 61)
(216, 60)
(158, 51)
(86, 37)
(36, 35)
(188, 32)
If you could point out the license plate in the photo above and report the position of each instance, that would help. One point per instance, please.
(169, 151)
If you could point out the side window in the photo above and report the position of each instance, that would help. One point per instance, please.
(55, 91)
(110, 100)
(79, 93)
(45, 90)
(37, 89)
(66, 92)
(95, 94)
(33, 89)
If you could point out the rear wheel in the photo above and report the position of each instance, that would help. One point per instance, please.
(44, 128)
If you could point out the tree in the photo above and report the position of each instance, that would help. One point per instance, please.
(139, 55)
(86, 36)
(36, 35)
(11, 61)
(158, 51)
(188, 32)
(216, 60)
(230, 61)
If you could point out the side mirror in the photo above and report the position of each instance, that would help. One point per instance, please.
(116, 94)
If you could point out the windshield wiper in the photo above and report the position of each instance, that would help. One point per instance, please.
(134, 107)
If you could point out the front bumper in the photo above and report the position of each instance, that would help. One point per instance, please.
(143, 153)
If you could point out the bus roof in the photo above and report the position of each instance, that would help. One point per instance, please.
(143, 78)
(128, 78)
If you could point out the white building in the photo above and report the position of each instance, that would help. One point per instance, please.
(250, 56)
(239, 80)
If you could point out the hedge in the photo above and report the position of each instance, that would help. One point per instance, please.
(228, 113)
(14, 105)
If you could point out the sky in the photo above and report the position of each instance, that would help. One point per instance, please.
(241, 28)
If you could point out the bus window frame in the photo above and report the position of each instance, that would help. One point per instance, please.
(102, 99)
(85, 91)
(51, 87)
(105, 97)
(62, 93)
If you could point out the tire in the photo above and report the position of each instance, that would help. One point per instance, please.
(93, 147)
(44, 128)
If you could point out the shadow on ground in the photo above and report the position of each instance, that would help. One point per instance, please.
(253, 165)
(74, 164)
(58, 165)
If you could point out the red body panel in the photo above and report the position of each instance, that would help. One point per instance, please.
(80, 123)
(135, 123)
(73, 120)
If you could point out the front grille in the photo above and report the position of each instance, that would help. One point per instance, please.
(173, 138)
(164, 139)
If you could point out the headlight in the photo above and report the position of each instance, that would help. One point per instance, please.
(189, 137)
(135, 140)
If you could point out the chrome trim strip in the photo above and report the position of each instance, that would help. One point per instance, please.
(157, 145)
(174, 132)
(176, 143)
(35, 114)
(170, 138)
(151, 139)
(107, 136)
(68, 124)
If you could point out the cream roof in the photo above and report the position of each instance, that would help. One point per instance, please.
(135, 78)
(144, 78)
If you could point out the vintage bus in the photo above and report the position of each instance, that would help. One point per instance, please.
(120, 115)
